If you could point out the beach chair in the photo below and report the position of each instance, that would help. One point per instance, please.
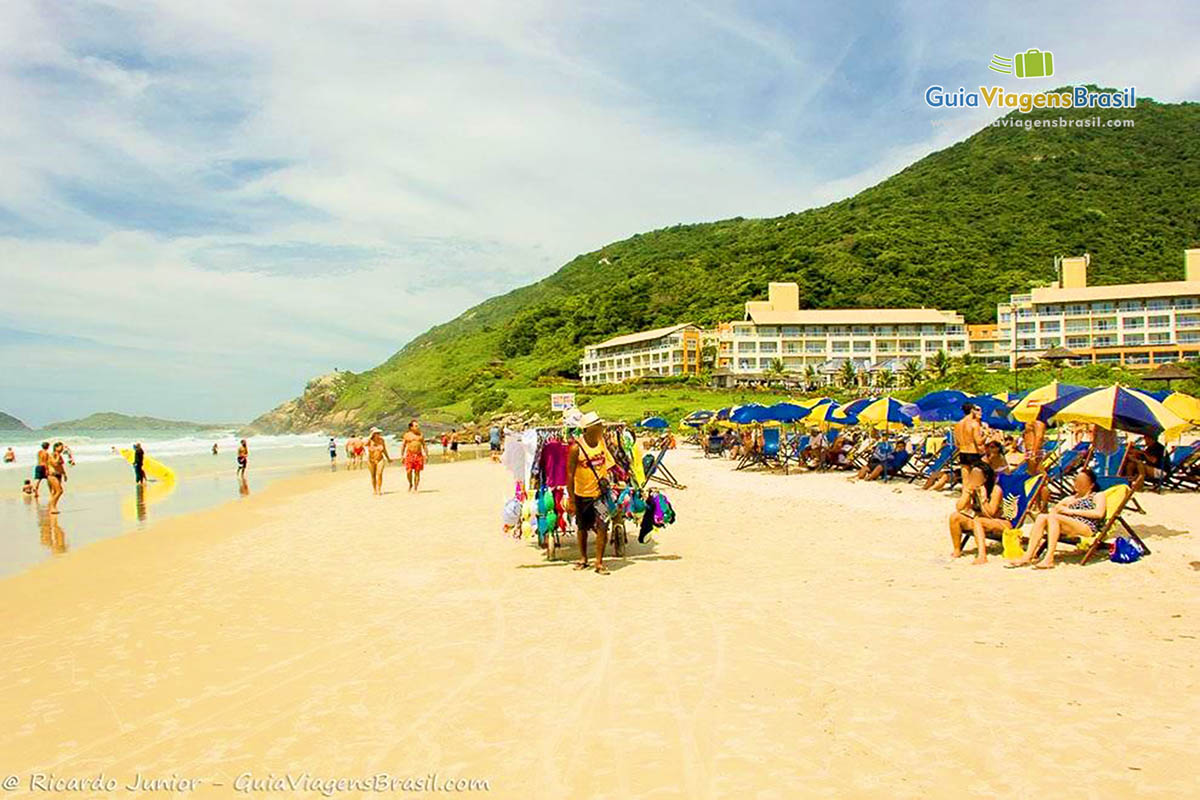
(1017, 493)
(1182, 468)
(793, 452)
(941, 462)
(1066, 464)
(1116, 499)
(714, 446)
(656, 470)
(925, 456)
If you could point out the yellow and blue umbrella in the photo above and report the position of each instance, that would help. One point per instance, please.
(1117, 408)
(831, 415)
(887, 413)
(787, 412)
(1027, 408)
(1184, 405)
(814, 402)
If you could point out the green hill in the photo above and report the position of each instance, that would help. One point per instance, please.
(960, 229)
(112, 421)
(10, 423)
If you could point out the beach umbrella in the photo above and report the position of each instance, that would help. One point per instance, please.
(887, 413)
(855, 406)
(1184, 405)
(1168, 373)
(816, 401)
(1058, 355)
(1117, 408)
(787, 412)
(1009, 398)
(654, 422)
(749, 414)
(703, 415)
(946, 397)
(1028, 406)
(723, 414)
(831, 415)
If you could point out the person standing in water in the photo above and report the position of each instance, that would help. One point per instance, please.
(377, 453)
(243, 457)
(39, 470)
(214, 448)
(139, 464)
(9, 456)
(415, 453)
(332, 451)
(56, 473)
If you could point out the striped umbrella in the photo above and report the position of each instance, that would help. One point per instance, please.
(787, 412)
(1117, 408)
(887, 413)
(1028, 406)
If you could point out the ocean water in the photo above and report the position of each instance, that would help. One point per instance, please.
(101, 499)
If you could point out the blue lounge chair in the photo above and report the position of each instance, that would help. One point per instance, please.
(1067, 464)
(1182, 470)
(1017, 493)
(714, 445)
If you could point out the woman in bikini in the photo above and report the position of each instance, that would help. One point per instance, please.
(977, 511)
(376, 454)
(1078, 515)
(56, 474)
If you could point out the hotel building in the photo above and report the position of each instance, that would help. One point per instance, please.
(674, 350)
(1133, 324)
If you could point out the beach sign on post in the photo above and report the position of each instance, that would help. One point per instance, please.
(562, 401)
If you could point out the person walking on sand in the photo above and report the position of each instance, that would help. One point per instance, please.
(377, 453)
(588, 463)
(494, 442)
(968, 438)
(243, 457)
(39, 469)
(415, 453)
(56, 474)
(332, 451)
(454, 444)
(139, 464)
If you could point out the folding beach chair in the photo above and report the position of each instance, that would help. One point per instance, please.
(1116, 498)
(656, 470)
(1182, 470)
(1017, 493)
(941, 462)
(793, 450)
(714, 446)
(1067, 463)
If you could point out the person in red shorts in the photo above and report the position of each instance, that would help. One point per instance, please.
(415, 453)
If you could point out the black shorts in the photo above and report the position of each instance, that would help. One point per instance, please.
(454, 447)
(495, 447)
(139, 475)
(590, 514)
(39, 473)
(969, 460)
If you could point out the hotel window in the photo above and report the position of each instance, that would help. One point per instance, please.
(1024, 312)
(1131, 305)
(814, 330)
(1187, 302)
(765, 363)
(768, 330)
(1077, 341)
(1077, 308)
(956, 345)
(1103, 308)
(1025, 327)
(1133, 322)
(743, 330)
(1137, 358)
(862, 347)
(862, 330)
(1109, 324)
(1159, 338)
(933, 345)
(1006, 316)
(745, 363)
(791, 331)
(1108, 358)
(1078, 325)
(791, 347)
(1104, 341)
(1051, 341)
(1160, 321)
(841, 347)
(1052, 326)
(1189, 338)
(768, 347)
(1134, 338)
(1157, 305)
(908, 330)
(1026, 344)
(1049, 311)
(814, 347)
(885, 330)
(747, 347)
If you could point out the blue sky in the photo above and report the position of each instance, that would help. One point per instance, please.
(206, 204)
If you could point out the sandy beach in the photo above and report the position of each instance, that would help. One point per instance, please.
(790, 636)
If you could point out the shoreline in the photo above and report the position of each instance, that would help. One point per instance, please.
(784, 636)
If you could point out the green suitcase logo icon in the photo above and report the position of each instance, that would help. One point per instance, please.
(1034, 63)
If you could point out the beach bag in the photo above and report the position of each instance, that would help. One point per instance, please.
(1124, 551)
(511, 515)
(664, 514)
(1012, 544)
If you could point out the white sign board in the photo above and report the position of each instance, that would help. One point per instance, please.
(561, 402)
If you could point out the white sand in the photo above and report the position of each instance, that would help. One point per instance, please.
(791, 636)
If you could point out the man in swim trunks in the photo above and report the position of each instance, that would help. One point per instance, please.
(39, 471)
(454, 444)
(968, 438)
(139, 462)
(9, 456)
(243, 456)
(415, 452)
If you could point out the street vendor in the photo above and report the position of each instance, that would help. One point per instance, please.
(588, 465)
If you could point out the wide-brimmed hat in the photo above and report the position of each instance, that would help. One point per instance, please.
(589, 419)
(374, 431)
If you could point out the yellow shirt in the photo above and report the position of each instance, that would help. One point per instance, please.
(586, 484)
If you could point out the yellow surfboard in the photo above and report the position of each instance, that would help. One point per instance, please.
(155, 470)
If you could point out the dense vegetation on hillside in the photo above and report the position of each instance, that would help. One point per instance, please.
(112, 421)
(10, 423)
(960, 229)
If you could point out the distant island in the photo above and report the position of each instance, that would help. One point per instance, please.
(10, 423)
(111, 421)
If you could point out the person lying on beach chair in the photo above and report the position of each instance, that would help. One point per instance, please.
(1079, 514)
(942, 471)
(977, 512)
(885, 459)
